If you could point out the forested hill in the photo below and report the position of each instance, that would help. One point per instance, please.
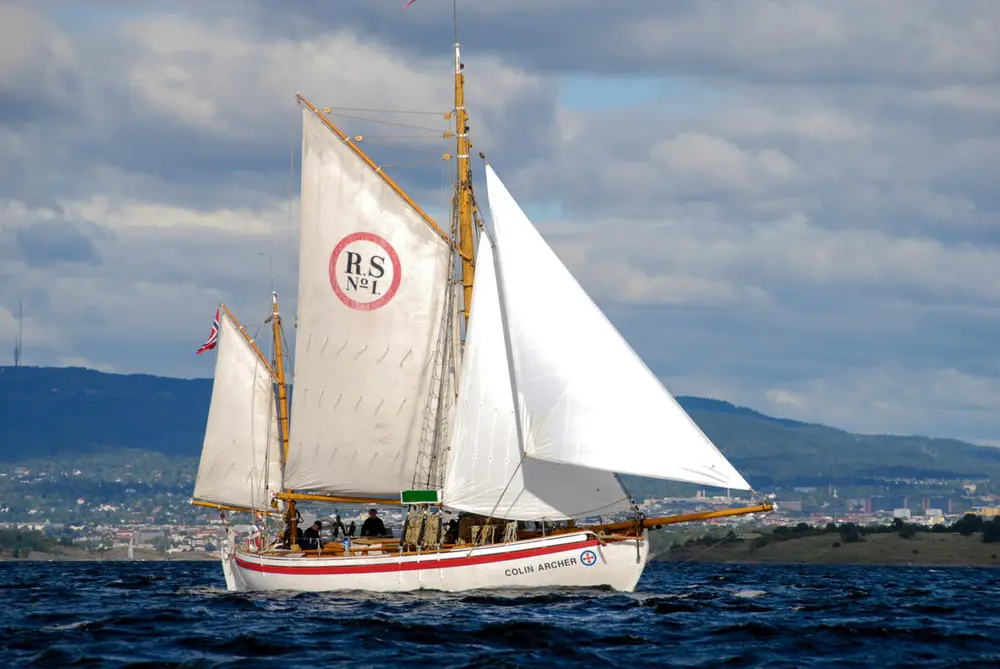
(55, 411)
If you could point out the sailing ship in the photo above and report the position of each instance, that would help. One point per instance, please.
(442, 370)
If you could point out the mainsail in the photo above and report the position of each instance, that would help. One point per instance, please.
(487, 472)
(240, 460)
(374, 285)
(585, 397)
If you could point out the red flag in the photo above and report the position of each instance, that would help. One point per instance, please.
(213, 336)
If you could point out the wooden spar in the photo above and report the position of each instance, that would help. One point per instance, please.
(653, 523)
(378, 170)
(463, 189)
(229, 507)
(249, 340)
(314, 497)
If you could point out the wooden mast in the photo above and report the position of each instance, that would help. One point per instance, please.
(279, 378)
(463, 188)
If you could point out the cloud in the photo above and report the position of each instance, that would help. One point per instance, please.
(48, 243)
(774, 41)
(788, 205)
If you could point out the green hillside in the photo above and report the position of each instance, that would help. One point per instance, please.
(56, 412)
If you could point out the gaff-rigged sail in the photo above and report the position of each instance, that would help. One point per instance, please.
(240, 459)
(374, 280)
(487, 472)
(586, 398)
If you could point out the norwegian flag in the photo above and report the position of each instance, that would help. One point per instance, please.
(213, 336)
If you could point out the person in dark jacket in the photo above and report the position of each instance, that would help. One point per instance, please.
(373, 525)
(451, 536)
(310, 538)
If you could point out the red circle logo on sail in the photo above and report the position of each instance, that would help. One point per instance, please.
(365, 271)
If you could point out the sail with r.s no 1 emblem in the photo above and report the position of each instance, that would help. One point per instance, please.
(371, 309)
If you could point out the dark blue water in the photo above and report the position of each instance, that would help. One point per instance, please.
(178, 614)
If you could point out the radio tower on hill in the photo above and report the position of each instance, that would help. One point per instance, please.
(20, 332)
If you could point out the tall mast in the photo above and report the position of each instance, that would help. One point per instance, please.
(463, 187)
(279, 377)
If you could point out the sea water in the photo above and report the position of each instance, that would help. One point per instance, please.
(164, 614)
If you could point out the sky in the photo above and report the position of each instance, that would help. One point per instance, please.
(790, 206)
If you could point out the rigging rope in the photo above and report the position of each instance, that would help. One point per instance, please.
(416, 162)
(291, 196)
(446, 135)
(392, 123)
(400, 147)
(386, 111)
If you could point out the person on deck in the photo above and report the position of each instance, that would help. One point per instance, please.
(337, 527)
(373, 525)
(451, 536)
(310, 538)
(285, 537)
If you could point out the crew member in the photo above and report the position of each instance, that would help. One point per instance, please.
(373, 525)
(310, 538)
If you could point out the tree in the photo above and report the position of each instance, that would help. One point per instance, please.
(968, 524)
(161, 543)
(991, 531)
(849, 533)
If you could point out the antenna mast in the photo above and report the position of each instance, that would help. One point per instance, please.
(20, 333)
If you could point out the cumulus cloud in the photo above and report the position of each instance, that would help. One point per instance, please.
(797, 211)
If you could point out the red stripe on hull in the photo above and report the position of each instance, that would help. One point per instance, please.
(430, 563)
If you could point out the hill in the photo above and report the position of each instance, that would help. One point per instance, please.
(48, 412)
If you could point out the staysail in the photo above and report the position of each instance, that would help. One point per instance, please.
(486, 472)
(374, 282)
(240, 459)
(586, 398)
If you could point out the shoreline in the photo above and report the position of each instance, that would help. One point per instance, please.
(924, 549)
(69, 554)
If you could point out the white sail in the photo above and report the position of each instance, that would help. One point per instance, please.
(586, 398)
(240, 458)
(486, 471)
(373, 285)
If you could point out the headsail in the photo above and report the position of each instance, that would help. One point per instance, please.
(240, 459)
(587, 398)
(374, 279)
(487, 473)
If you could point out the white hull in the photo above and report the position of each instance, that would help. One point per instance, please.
(565, 560)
